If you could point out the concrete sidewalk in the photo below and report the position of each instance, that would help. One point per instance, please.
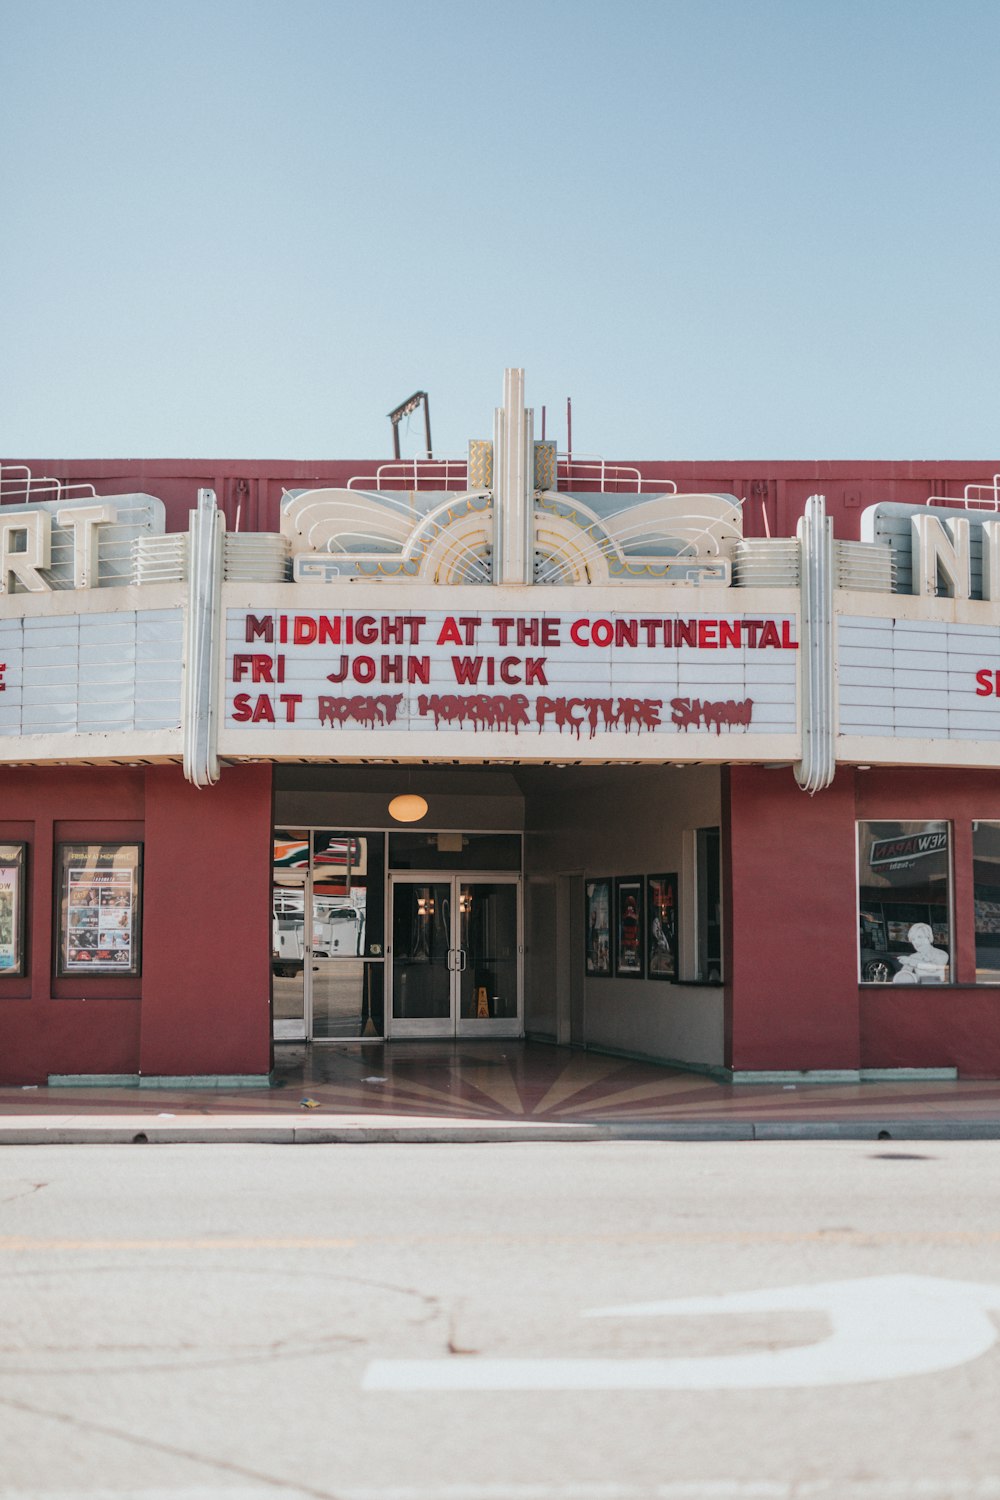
(494, 1091)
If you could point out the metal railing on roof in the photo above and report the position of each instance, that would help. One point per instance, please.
(591, 470)
(983, 496)
(586, 471)
(415, 473)
(19, 486)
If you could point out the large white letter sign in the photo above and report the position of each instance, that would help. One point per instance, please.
(36, 528)
(84, 520)
(941, 548)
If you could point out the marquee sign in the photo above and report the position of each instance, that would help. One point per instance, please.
(563, 673)
(918, 680)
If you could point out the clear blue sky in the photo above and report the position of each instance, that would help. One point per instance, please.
(726, 228)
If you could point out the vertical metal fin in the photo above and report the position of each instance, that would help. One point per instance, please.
(513, 491)
(202, 641)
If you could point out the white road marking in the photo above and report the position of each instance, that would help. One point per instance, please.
(883, 1327)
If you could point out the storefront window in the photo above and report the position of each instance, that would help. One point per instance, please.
(904, 906)
(98, 895)
(11, 909)
(986, 867)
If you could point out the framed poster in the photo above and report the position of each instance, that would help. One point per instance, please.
(661, 926)
(99, 892)
(12, 886)
(598, 928)
(629, 924)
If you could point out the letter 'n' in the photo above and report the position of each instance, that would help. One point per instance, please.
(941, 556)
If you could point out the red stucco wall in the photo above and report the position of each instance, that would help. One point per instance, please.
(202, 1002)
(252, 489)
(791, 923)
(206, 981)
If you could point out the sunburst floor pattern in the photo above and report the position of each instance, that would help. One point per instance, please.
(533, 1081)
(513, 1081)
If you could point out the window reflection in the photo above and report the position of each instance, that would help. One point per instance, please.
(986, 889)
(348, 894)
(327, 932)
(904, 903)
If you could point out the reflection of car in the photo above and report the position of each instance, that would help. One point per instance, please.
(878, 967)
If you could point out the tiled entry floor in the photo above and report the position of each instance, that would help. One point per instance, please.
(508, 1081)
(533, 1081)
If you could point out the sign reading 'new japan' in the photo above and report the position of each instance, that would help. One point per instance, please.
(584, 675)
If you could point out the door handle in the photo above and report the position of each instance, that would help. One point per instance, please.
(463, 959)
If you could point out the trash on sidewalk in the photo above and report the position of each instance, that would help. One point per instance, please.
(308, 1103)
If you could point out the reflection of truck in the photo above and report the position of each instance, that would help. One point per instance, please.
(338, 928)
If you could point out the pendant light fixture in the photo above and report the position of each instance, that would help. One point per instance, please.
(407, 808)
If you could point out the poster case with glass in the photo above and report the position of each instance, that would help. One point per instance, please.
(99, 890)
(629, 927)
(597, 927)
(661, 926)
(13, 861)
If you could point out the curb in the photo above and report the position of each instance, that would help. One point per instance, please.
(139, 1131)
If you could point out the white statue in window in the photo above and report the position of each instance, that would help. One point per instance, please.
(926, 964)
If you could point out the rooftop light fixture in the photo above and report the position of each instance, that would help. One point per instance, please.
(404, 409)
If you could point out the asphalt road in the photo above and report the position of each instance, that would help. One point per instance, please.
(410, 1322)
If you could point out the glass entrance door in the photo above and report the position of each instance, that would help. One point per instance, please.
(327, 933)
(455, 955)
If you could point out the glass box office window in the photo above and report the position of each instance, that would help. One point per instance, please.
(904, 903)
(98, 895)
(708, 887)
(986, 894)
(12, 887)
(327, 933)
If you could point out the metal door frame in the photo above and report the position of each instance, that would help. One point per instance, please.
(289, 1031)
(454, 1027)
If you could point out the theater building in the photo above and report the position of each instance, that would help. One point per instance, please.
(691, 762)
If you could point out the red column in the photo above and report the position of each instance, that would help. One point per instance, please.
(207, 924)
(791, 922)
